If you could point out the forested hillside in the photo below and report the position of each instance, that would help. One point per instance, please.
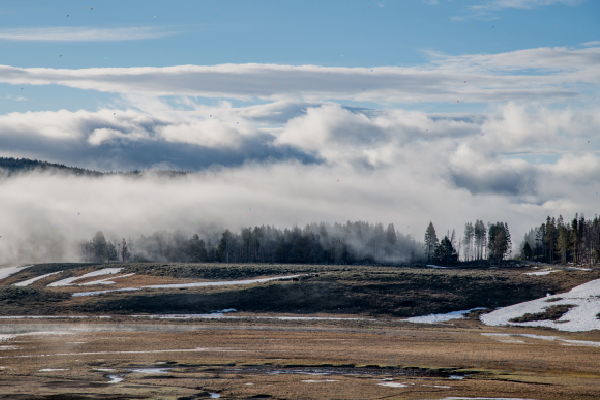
(14, 166)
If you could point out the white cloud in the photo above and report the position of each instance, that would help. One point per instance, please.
(431, 2)
(389, 168)
(524, 75)
(83, 34)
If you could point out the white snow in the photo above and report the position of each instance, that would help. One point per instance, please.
(542, 272)
(52, 369)
(105, 281)
(585, 297)
(5, 272)
(242, 282)
(105, 271)
(568, 342)
(104, 291)
(392, 384)
(324, 380)
(435, 266)
(30, 281)
(436, 318)
(441, 387)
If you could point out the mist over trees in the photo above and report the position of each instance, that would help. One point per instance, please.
(352, 243)
(360, 242)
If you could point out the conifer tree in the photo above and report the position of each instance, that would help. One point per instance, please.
(431, 241)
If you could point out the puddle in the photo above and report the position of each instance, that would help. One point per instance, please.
(392, 384)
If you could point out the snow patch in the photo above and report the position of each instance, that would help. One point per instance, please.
(105, 271)
(542, 272)
(105, 281)
(437, 318)
(392, 384)
(83, 294)
(30, 281)
(6, 272)
(581, 318)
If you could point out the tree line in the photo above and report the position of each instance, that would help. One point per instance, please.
(477, 244)
(357, 242)
(557, 240)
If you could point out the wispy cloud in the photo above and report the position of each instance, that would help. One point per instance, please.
(84, 34)
(521, 4)
(524, 75)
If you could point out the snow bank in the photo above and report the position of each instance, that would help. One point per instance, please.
(581, 318)
(30, 281)
(436, 318)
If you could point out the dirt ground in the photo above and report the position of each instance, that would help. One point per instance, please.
(279, 362)
(374, 357)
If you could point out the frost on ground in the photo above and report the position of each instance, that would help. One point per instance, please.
(436, 318)
(105, 271)
(582, 317)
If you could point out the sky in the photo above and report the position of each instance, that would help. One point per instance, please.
(394, 111)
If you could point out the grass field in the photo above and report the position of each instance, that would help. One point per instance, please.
(369, 353)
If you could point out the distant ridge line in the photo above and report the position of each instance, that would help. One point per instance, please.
(17, 165)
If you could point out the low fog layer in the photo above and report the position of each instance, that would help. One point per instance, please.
(45, 216)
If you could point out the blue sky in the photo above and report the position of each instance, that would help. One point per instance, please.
(488, 108)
